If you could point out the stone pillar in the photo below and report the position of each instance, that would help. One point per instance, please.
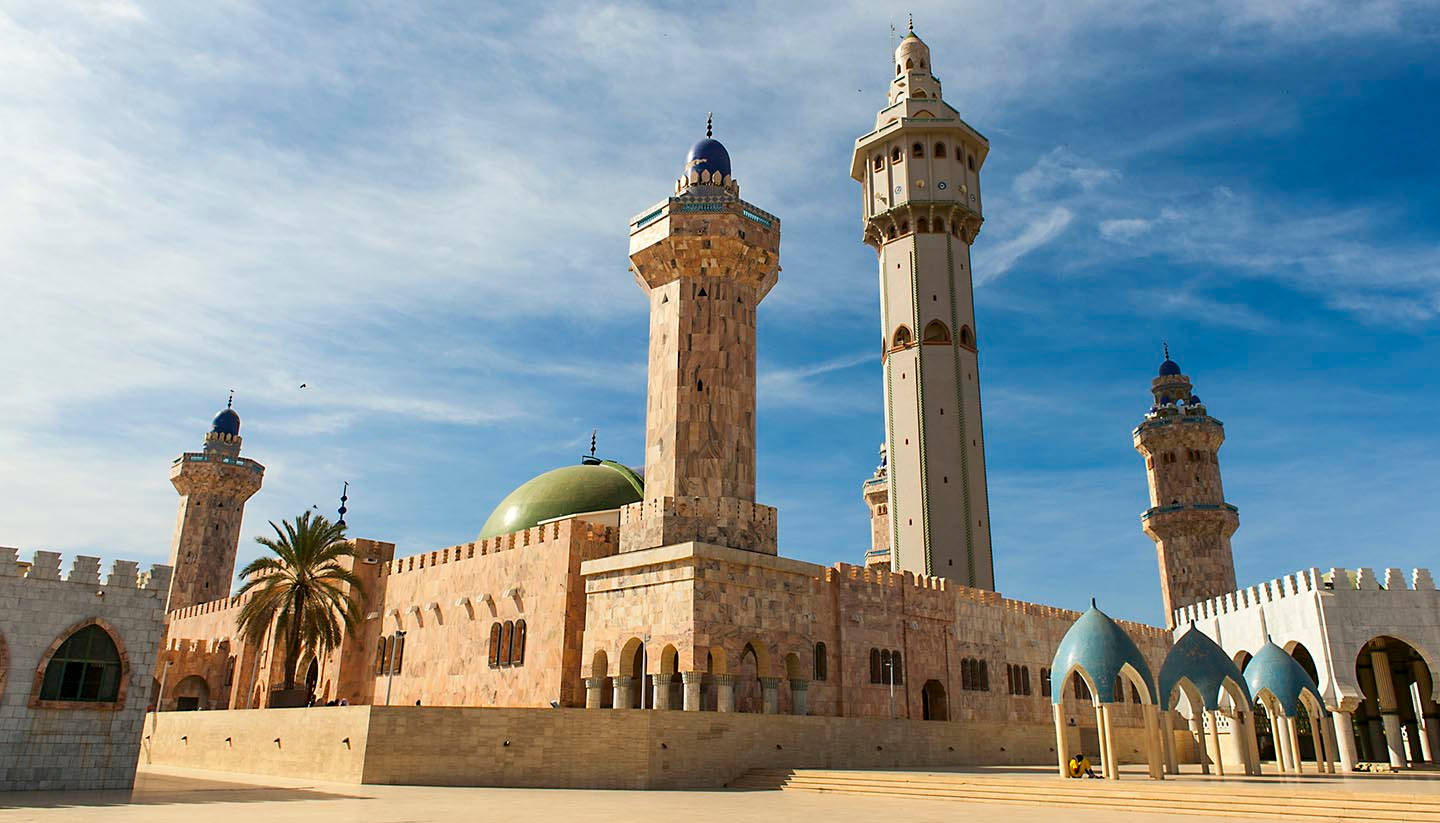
(1167, 730)
(1427, 713)
(1214, 743)
(692, 681)
(1327, 735)
(1280, 730)
(1389, 707)
(594, 692)
(798, 702)
(1197, 731)
(1108, 765)
(661, 685)
(1154, 746)
(770, 691)
(724, 692)
(1294, 729)
(1252, 739)
(622, 691)
(1345, 739)
(1062, 740)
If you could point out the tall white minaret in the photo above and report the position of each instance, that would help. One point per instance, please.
(919, 172)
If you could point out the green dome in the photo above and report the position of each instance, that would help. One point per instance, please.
(587, 487)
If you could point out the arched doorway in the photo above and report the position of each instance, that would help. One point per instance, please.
(641, 696)
(1396, 722)
(312, 678)
(191, 693)
(932, 701)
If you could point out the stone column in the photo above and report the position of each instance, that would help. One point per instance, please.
(1280, 730)
(1062, 740)
(724, 692)
(1167, 730)
(692, 681)
(1108, 767)
(622, 691)
(661, 685)
(770, 690)
(1197, 731)
(1215, 743)
(1345, 739)
(1252, 738)
(594, 692)
(1389, 707)
(1154, 746)
(798, 702)
(1294, 728)
(1427, 712)
(1327, 736)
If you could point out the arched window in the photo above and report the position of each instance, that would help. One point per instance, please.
(507, 637)
(899, 667)
(939, 225)
(902, 337)
(890, 234)
(970, 160)
(909, 64)
(917, 150)
(86, 668)
(230, 671)
(1025, 680)
(939, 150)
(920, 93)
(967, 338)
(1010, 678)
(380, 657)
(495, 631)
(984, 677)
(897, 69)
(517, 644)
(921, 225)
(896, 155)
(822, 663)
(1044, 682)
(874, 665)
(904, 226)
(936, 332)
(397, 654)
(879, 162)
(886, 666)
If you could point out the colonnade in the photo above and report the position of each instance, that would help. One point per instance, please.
(659, 686)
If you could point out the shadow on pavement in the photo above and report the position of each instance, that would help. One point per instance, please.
(160, 789)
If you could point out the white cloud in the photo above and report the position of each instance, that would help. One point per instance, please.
(997, 259)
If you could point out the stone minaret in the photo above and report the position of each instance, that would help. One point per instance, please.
(919, 172)
(1188, 517)
(705, 259)
(213, 485)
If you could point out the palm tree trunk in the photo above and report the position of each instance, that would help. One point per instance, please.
(292, 641)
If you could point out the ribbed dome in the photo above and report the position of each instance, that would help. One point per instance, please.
(1196, 657)
(708, 155)
(1099, 646)
(226, 422)
(564, 491)
(1275, 671)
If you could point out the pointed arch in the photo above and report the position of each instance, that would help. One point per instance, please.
(967, 337)
(936, 332)
(902, 337)
(92, 672)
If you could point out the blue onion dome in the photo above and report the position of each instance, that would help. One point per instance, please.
(1098, 645)
(1197, 658)
(708, 155)
(1272, 670)
(1169, 368)
(226, 422)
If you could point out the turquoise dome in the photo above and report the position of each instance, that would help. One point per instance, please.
(1272, 670)
(1196, 657)
(1098, 645)
(588, 487)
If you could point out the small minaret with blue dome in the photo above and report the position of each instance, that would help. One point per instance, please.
(705, 259)
(1188, 517)
(214, 484)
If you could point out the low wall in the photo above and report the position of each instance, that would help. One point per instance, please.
(577, 748)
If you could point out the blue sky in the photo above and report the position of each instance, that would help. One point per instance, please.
(420, 211)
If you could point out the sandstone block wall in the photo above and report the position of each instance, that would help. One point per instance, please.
(53, 745)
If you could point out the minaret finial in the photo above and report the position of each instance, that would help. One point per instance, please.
(231, 401)
(344, 495)
(1166, 345)
(592, 442)
(709, 123)
(912, 23)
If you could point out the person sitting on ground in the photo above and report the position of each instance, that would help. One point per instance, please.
(1080, 766)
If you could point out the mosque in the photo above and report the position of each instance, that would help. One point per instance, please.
(604, 586)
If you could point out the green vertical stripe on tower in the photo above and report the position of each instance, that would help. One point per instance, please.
(920, 404)
(960, 416)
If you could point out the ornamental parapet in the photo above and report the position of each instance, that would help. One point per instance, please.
(1337, 582)
(1179, 507)
(85, 571)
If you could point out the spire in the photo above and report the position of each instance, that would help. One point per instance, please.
(344, 495)
(592, 441)
(1165, 344)
(231, 401)
(709, 124)
(912, 23)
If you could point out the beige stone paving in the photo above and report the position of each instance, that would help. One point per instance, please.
(178, 796)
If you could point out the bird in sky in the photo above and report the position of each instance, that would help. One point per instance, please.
(303, 385)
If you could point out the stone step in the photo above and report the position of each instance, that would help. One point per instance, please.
(1230, 801)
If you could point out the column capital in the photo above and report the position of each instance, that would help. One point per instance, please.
(769, 682)
(623, 681)
(724, 679)
(595, 682)
(660, 679)
(798, 684)
(692, 677)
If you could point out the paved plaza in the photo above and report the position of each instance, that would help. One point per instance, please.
(166, 795)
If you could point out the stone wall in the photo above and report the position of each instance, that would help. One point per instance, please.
(57, 745)
(568, 748)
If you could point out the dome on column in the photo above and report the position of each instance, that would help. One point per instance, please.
(1098, 645)
(226, 422)
(1169, 368)
(1272, 670)
(1197, 658)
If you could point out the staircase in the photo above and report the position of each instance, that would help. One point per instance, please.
(1276, 800)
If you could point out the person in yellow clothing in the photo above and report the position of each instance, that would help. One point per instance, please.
(1080, 766)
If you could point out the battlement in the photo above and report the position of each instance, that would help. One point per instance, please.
(84, 570)
(551, 532)
(210, 607)
(1338, 582)
(722, 521)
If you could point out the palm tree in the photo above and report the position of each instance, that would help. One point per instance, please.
(301, 590)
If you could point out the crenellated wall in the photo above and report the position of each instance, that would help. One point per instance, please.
(61, 744)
